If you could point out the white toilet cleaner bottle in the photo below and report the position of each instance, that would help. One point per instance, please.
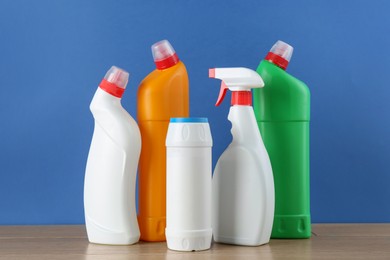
(110, 177)
(243, 198)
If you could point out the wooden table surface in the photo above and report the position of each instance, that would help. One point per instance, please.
(329, 241)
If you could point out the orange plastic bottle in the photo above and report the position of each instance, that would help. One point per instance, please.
(163, 94)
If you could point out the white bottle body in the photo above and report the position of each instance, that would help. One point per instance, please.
(243, 199)
(189, 176)
(110, 178)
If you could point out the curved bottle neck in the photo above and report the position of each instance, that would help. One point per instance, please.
(103, 100)
(244, 126)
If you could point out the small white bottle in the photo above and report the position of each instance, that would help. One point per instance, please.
(110, 177)
(189, 177)
(243, 199)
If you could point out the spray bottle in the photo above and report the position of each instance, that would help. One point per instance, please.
(110, 177)
(282, 111)
(243, 186)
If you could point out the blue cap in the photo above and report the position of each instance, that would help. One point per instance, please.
(189, 120)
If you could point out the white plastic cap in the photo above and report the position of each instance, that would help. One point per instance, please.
(283, 50)
(117, 76)
(162, 50)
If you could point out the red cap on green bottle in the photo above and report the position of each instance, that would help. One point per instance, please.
(280, 54)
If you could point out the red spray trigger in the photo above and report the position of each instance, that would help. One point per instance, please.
(240, 81)
(222, 93)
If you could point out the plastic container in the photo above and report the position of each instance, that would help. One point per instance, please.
(282, 111)
(189, 176)
(243, 187)
(110, 177)
(162, 94)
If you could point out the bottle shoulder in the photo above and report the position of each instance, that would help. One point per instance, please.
(244, 126)
(277, 79)
(239, 159)
(124, 133)
(113, 119)
(283, 98)
(164, 94)
(158, 80)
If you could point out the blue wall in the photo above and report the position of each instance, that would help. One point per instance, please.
(53, 55)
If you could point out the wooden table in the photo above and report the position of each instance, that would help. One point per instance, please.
(329, 241)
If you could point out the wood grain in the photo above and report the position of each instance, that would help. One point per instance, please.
(331, 241)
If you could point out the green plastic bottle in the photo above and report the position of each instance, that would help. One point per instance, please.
(282, 110)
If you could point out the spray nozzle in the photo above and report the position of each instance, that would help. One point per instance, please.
(235, 79)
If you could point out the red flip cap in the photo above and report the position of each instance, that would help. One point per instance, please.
(115, 81)
(164, 55)
(280, 54)
(277, 60)
(167, 63)
(111, 88)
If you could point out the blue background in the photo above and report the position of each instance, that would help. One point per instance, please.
(53, 55)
